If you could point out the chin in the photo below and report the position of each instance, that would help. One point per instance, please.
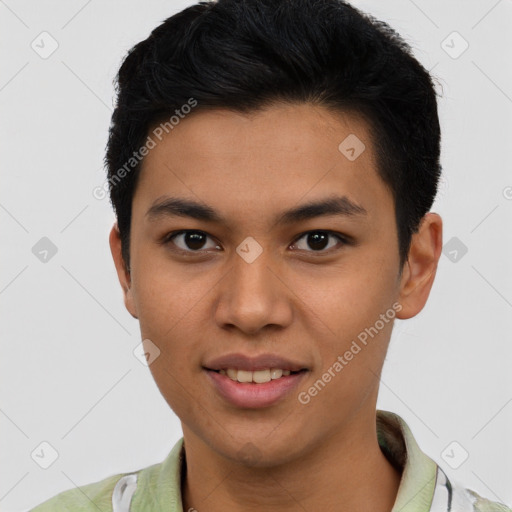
(260, 453)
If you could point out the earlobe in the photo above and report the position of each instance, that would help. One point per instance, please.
(123, 273)
(420, 268)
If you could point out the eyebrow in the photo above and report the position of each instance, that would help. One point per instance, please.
(181, 207)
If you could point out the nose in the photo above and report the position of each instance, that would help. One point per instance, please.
(252, 297)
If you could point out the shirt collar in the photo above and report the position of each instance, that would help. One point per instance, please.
(419, 472)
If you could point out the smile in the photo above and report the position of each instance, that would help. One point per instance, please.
(257, 377)
(254, 389)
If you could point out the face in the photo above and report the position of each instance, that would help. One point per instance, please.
(258, 279)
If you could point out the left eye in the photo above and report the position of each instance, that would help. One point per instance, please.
(319, 240)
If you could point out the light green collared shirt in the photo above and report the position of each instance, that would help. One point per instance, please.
(424, 487)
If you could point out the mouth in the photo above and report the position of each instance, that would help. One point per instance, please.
(257, 376)
(252, 382)
(258, 389)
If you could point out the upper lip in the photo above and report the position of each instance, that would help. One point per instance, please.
(261, 362)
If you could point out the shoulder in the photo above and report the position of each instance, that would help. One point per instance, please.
(160, 482)
(453, 496)
(91, 497)
(481, 504)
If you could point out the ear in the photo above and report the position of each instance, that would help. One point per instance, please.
(419, 270)
(123, 273)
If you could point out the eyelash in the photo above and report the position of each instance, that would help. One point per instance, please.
(344, 240)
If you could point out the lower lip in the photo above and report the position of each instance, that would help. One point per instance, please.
(254, 396)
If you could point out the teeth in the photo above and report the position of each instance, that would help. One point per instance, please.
(258, 377)
(261, 376)
(243, 376)
(275, 373)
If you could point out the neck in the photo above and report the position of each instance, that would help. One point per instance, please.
(346, 471)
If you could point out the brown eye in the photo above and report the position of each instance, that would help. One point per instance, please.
(318, 241)
(191, 241)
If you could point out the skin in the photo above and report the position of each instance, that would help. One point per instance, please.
(293, 300)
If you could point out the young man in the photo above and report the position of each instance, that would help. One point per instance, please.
(272, 165)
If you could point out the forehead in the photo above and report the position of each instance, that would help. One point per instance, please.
(282, 127)
(258, 161)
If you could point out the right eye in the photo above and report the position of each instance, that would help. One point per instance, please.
(189, 241)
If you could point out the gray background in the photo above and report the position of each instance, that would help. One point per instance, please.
(69, 375)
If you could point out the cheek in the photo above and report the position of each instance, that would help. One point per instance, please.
(351, 358)
(169, 309)
(169, 318)
(353, 296)
(168, 297)
(358, 294)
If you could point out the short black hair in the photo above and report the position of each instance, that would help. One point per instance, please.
(245, 55)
